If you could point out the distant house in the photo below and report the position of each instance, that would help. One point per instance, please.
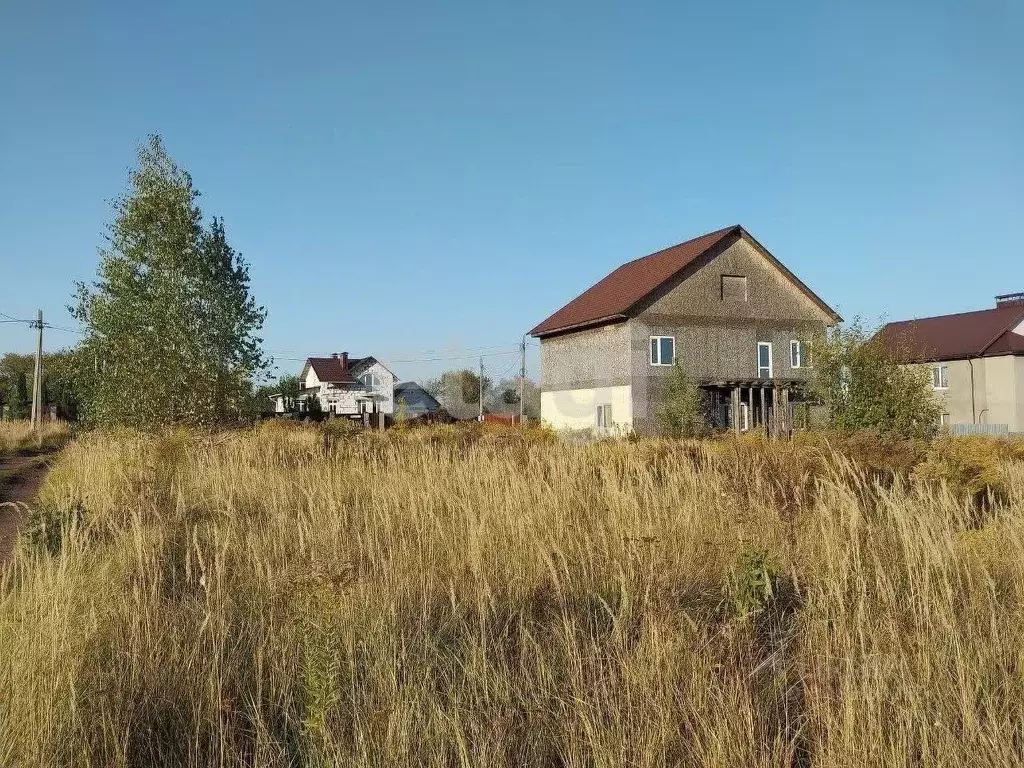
(976, 361)
(721, 304)
(344, 386)
(413, 402)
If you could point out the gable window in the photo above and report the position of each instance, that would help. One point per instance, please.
(370, 379)
(604, 416)
(797, 355)
(734, 288)
(663, 350)
(764, 360)
(940, 377)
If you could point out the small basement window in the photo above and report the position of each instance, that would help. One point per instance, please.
(940, 377)
(663, 350)
(734, 288)
(604, 416)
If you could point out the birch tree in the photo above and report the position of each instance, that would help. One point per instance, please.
(171, 326)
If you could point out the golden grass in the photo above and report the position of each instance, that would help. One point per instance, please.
(482, 598)
(16, 436)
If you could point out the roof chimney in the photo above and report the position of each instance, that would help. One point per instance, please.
(334, 355)
(1010, 300)
(344, 361)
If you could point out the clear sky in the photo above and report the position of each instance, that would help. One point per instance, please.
(416, 180)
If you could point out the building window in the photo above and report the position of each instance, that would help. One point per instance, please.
(797, 355)
(943, 421)
(604, 416)
(764, 360)
(370, 380)
(734, 288)
(663, 350)
(940, 377)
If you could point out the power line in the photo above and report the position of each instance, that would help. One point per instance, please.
(424, 359)
(429, 351)
(66, 330)
(14, 319)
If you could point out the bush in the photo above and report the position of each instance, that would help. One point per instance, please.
(969, 466)
(680, 407)
(862, 386)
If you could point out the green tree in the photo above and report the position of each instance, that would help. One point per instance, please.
(680, 407)
(262, 405)
(459, 391)
(60, 378)
(19, 403)
(314, 408)
(170, 322)
(862, 386)
(504, 398)
(289, 386)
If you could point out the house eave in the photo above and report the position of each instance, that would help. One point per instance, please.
(597, 323)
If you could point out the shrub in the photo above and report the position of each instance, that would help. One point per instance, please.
(680, 407)
(753, 583)
(862, 385)
(969, 465)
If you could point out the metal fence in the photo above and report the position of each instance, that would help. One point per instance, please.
(962, 430)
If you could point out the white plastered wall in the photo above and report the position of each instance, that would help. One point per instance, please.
(577, 408)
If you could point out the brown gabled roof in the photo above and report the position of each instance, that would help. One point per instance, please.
(985, 333)
(332, 370)
(616, 296)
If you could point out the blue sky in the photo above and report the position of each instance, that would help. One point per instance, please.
(421, 180)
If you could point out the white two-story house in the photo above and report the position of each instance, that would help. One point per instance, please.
(345, 386)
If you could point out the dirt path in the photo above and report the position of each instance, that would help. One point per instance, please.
(20, 478)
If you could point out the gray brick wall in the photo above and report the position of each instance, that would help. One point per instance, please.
(717, 339)
(593, 358)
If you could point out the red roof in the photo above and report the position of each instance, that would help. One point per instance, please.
(617, 295)
(985, 333)
(332, 370)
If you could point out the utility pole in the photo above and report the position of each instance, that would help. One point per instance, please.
(522, 379)
(37, 379)
(481, 416)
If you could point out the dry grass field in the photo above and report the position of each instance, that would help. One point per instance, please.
(17, 436)
(495, 598)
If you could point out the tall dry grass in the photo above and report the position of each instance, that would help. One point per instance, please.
(18, 435)
(444, 598)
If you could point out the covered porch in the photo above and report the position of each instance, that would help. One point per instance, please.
(746, 404)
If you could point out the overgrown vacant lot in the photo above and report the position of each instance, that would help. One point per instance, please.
(454, 598)
(17, 436)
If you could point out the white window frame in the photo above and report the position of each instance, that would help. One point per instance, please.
(944, 421)
(603, 416)
(796, 355)
(771, 362)
(652, 346)
(374, 380)
(937, 377)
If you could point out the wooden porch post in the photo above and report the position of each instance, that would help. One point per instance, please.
(736, 410)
